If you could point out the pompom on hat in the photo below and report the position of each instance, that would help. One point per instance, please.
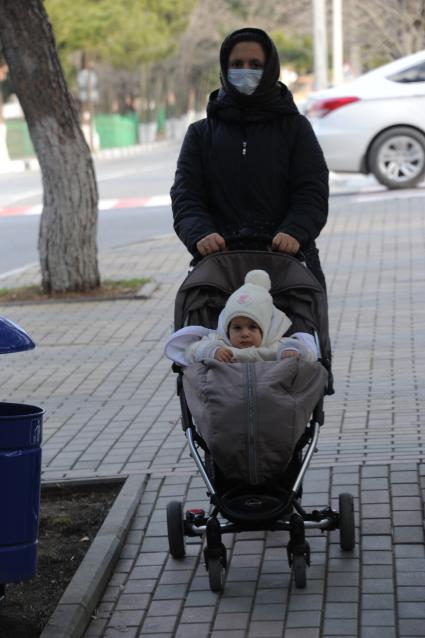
(252, 300)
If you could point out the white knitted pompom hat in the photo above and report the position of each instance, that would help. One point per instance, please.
(251, 300)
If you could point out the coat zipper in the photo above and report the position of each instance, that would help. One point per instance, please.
(252, 425)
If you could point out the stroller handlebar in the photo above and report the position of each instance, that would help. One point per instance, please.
(257, 242)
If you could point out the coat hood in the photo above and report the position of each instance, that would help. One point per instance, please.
(270, 100)
(271, 71)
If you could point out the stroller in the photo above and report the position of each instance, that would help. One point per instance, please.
(270, 498)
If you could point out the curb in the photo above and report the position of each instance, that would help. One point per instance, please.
(75, 608)
(147, 290)
(143, 293)
(134, 149)
(19, 165)
(31, 163)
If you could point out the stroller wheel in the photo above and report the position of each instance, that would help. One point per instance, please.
(298, 550)
(175, 529)
(346, 522)
(216, 572)
(299, 568)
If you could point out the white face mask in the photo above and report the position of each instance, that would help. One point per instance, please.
(245, 80)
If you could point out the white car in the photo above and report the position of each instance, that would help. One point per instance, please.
(376, 123)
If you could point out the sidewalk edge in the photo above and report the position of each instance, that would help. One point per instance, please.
(75, 608)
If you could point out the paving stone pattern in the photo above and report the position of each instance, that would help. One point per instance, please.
(110, 403)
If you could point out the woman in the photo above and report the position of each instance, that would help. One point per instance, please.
(251, 174)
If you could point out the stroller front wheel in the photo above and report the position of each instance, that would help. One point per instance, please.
(175, 529)
(216, 573)
(299, 569)
(346, 522)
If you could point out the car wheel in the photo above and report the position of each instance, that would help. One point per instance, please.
(397, 157)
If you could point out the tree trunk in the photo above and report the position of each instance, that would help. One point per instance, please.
(67, 237)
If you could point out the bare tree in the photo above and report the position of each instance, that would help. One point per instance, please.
(67, 238)
(391, 27)
(197, 54)
(194, 68)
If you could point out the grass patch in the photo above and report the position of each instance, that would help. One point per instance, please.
(109, 289)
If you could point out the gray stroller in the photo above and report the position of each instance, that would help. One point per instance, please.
(253, 469)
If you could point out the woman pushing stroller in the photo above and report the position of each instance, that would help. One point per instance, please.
(250, 328)
(252, 172)
(251, 176)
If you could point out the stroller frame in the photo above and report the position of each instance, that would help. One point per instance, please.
(290, 516)
(197, 523)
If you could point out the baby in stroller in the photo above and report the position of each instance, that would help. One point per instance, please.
(250, 328)
(256, 413)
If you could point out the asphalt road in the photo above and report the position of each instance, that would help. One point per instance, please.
(125, 180)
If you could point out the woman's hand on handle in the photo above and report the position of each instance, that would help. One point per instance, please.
(212, 243)
(285, 244)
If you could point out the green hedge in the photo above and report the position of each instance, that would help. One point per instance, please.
(117, 130)
(18, 139)
(114, 131)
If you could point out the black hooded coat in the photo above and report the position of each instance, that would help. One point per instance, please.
(253, 167)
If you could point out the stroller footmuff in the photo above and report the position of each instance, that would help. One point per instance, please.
(253, 428)
(252, 415)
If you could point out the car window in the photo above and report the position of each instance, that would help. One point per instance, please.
(413, 74)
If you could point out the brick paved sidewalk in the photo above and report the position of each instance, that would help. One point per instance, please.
(374, 591)
(111, 408)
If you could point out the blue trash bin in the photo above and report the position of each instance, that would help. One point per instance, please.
(13, 338)
(20, 473)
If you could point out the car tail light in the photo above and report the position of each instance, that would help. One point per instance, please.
(320, 108)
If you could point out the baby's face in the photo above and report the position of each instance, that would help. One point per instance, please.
(244, 333)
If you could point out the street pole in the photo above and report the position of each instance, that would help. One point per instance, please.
(90, 108)
(337, 45)
(353, 48)
(320, 45)
(4, 152)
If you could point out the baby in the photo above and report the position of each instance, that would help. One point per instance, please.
(250, 328)
(244, 332)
